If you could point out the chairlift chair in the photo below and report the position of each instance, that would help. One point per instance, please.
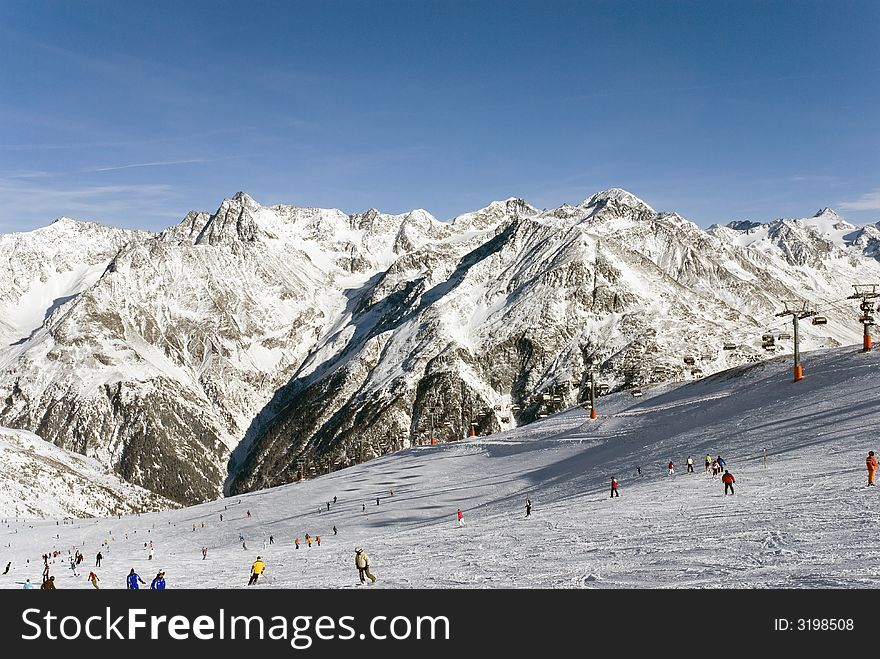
(820, 320)
(730, 346)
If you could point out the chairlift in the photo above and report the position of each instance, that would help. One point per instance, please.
(505, 419)
(785, 336)
(587, 405)
(497, 408)
(515, 408)
(602, 388)
(866, 319)
(730, 346)
(636, 393)
(557, 399)
(820, 320)
(697, 372)
(542, 415)
(659, 370)
(689, 360)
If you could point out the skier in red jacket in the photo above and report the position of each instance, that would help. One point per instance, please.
(871, 463)
(728, 481)
(614, 492)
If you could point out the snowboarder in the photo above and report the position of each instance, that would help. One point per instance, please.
(708, 462)
(362, 563)
(334, 530)
(159, 582)
(614, 484)
(871, 463)
(690, 464)
(728, 481)
(460, 517)
(256, 570)
(94, 579)
(296, 542)
(204, 553)
(133, 579)
(8, 565)
(528, 507)
(49, 584)
(671, 467)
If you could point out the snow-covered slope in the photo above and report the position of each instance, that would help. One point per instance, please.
(802, 519)
(241, 348)
(42, 480)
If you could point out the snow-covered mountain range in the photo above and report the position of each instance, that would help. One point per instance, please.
(244, 348)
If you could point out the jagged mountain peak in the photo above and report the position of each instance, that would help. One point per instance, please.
(828, 213)
(619, 197)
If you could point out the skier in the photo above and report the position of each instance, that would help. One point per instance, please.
(377, 501)
(362, 563)
(671, 467)
(8, 565)
(159, 582)
(528, 507)
(460, 517)
(639, 471)
(28, 585)
(204, 553)
(240, 537)
(708, 462)
(256, 570)
(690, 464)
(721, 462)
(871, 463)
(328, 506)
(334, 500)
(309, 540)
(150, 557)
(363, 508)
(318, 540)
(49, 584)
(132, 580)
(334, 530)
(271, 539)
(94, 579)
(73, 567)
(296, 542)
(614, 484)
(221, 517)
(728, 481)
(249, 513)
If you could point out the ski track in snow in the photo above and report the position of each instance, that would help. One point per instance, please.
(806, 520)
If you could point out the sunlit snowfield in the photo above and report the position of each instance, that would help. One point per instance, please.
(804, 520)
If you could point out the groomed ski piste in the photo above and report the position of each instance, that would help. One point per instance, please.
(803, 519)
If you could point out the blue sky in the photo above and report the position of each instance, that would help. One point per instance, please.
(134, 113)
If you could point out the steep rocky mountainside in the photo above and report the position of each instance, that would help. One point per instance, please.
(42, 480)
(244, 348)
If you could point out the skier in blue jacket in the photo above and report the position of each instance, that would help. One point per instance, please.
(721, 462)
(158, 582)
(133, 579)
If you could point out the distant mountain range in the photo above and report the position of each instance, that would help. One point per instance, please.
(244, 348)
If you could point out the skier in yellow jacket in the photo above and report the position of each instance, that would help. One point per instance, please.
(256, 570)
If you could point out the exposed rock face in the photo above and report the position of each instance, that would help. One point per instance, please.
(243, 348)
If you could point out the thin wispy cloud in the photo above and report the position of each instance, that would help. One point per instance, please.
(870, 201)
(27, 203)
(163, 163)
